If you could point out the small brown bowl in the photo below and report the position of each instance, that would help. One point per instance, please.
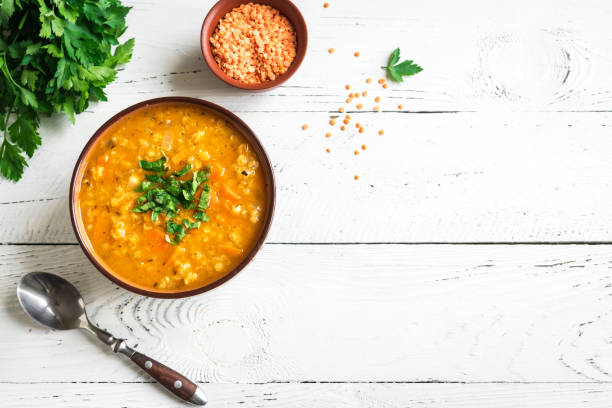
(77, 176)
(287, 8)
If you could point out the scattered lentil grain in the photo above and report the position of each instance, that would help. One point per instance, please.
(326, 5)
(382, 80)
(377, 108)
(377, 99)
(346, 121)
(356, 152)
(361, 130)
(347, 87)
(343, 128)
(304, 126)
(359, 106)
(356, 177)
(364, 93)
(385, 86)
(327, 150)
(331, 50)
(328, 134)
(369, 80)
(381, 132)
(357, 53)
(332, 122)
(363, 147)
(341, 109)
(400, 107)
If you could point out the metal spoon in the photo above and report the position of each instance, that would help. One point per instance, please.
(56, 303)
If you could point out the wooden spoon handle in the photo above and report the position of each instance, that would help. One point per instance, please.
(176, 383)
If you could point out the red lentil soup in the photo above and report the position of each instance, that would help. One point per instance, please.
(137, 247)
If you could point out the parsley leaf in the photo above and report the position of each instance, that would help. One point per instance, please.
(191, 225)
(157, 165)
(177, 230)
(55, 55)
(396, 71)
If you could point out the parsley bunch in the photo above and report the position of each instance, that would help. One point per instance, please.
(55, 56)
(166, 193)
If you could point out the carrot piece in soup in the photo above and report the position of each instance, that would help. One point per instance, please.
(217, 171)
(227, 192)
(230, 250)
(155, 240)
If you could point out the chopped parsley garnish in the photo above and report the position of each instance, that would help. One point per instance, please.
(166, 193)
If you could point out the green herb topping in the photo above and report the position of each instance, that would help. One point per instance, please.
(166, 193)
(397, 71)
(55, 56)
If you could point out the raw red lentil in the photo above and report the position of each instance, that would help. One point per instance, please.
(254, 43)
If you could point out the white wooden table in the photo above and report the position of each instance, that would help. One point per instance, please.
(470, 266)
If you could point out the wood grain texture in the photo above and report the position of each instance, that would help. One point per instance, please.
(314, 395)
(338, 313)
(505, 137)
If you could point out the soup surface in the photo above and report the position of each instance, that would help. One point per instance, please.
(149, 249)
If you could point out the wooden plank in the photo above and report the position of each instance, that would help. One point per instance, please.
(476, 55)
(310, 395)
(457, 178)
(475, 313)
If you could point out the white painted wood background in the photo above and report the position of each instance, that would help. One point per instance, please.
(470, 266)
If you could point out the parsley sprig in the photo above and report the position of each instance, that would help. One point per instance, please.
(397, 71)
(55, 56)
(166, 193)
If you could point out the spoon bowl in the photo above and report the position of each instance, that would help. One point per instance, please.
(51, 301)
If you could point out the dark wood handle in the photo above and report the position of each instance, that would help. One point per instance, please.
(176, 383)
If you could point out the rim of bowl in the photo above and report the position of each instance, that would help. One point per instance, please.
(299, 25)
(251, 138)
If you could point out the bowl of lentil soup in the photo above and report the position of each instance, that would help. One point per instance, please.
(172, 197)
(254, 45)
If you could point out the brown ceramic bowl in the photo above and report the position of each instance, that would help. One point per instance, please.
(287, 8)
(77, 176)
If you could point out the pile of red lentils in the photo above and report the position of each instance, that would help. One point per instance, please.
(254, 43)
